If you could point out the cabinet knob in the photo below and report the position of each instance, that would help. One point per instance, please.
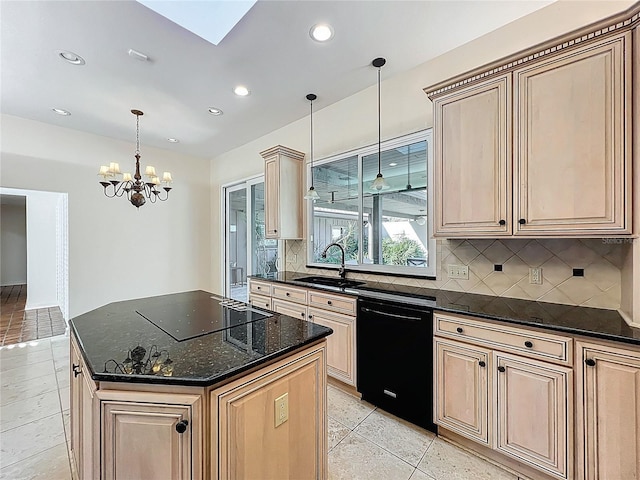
(590, 362)
(459, 330)
(266, 305)
(182, 425)
(310, 317)
(302, 315)
(329, 302)
(76, 370)
(258, 288)
(482, 364)
(522, 221)
(275, 231)
(528, 344)
(502, 222)
(501, 369)
(288, 294)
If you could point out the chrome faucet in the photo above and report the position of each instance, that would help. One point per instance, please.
(342, 271)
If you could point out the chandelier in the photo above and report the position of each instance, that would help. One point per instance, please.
(118, 184)
(155, 363)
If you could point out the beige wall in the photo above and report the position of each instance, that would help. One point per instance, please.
(351, 123)
(115, 251)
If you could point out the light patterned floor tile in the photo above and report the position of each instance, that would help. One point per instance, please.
(28, 389)
(28, 409)
(347, 409)
(337, 432)
(356, 458)
(52, 464)
(27, 440)
(419, 475)
(65, 398)
(25, 357)
(444, 461)
(397, 436)
(26, 372)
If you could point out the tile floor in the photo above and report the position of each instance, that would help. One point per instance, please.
(364, 442)
(19, 325)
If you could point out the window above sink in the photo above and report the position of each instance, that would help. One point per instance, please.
(387, 231)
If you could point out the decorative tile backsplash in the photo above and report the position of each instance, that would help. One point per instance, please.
(600, 259)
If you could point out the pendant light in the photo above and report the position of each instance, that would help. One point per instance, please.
(379, 183)
(311, 194)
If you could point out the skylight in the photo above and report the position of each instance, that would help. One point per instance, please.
(209, 19)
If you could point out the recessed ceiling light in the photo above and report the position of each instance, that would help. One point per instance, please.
(62, 112)
(241, 91)
(72, 58)
(215, 111)
(321, 32)
(173, 140)
(393, 164)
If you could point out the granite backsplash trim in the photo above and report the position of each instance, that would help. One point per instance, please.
(601, 260)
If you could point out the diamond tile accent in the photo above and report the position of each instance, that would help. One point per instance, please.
(601, 259)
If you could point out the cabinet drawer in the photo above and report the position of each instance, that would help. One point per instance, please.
(336, 303)
(260, 301)
(260, 288)
(554, 348)
(290, 294)
(294, 310)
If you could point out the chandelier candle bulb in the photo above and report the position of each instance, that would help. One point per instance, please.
(114, 167)
(126, 177)
(104, 171)
(155, 180)
(166, 177)
(150, 171)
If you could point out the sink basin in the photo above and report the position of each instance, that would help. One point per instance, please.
(332, 282)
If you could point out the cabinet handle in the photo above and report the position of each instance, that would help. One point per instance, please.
(275, 231)
(76, 370)
(266, 305)
(522, 221)
(302, 315)
(502, 222)
(329, 302)
(310, 317)
(590, 362)
(288, 294)
(501, 369)
(528, 344)
(482, 364)
(459, 330)
(258, 288)
(182, 425)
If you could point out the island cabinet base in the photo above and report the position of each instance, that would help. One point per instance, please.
(171, 432)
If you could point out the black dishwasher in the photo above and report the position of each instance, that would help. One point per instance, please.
(395, 359)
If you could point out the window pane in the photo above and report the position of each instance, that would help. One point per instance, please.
(335, 213)
(395, 230)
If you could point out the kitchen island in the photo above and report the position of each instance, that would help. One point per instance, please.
(192, 385)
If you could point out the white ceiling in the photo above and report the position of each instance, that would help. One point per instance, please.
(269, 51)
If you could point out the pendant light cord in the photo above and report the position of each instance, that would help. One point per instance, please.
(311, 115)
(379, 129)
(137, 134)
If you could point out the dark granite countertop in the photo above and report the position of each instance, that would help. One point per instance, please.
(593, 322)
(112, 332)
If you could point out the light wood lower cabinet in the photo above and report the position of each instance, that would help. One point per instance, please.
(252, 444)
(518, 408)
(294, 310)
(533, 413)
(341, 354)
(150, 435)
(608, 412)
(462, 379)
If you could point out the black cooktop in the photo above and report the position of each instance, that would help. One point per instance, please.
(191, 319)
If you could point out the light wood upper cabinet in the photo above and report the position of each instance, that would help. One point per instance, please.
(572, 165)
(608, 412)
(283, 170)
(150, 435)
(534, 401)
(473, 159)
(540, 145)
(462, 389)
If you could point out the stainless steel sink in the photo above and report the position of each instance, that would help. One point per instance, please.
(331, 282)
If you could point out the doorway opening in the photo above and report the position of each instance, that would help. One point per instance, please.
(247, 251)
(34, 294)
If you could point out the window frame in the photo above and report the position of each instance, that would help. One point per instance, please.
(396, 270)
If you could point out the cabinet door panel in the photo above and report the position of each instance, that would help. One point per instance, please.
(341, 359)
(608, 431)
(533, 413)
(462, 389)
(271, 197)
(473, 160)
(571, 165)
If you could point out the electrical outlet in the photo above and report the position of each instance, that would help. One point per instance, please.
(535, 275)
(458, 271)
(282, 409)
